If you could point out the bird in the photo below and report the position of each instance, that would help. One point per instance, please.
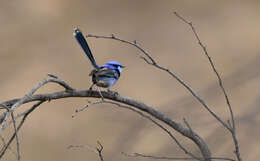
(104, 76)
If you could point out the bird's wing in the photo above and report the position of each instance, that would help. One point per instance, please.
(107, 73)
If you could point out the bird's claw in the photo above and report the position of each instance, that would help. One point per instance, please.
(113, 92)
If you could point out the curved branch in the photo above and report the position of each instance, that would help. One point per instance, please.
(169, 158)
(18, 102)
(125, 100)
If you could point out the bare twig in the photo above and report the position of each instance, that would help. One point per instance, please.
(188, 125)
(52, 75)
(99, 150)
(230, 126)
(169, 158)
(212, 66)
(10, 149)
(17, 116)
(15, 133)
(156, 123)
(82, 146)
(28, 96)
(87, 105)
(134, 43)
(3, 150)
(17, 139)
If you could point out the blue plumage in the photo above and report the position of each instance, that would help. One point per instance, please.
(103, 76)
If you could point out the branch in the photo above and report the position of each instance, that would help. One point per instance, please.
(4, 144)
(18, 102)
(83, 146)
(15, 134)
(169, 158)
(232, 126)
(153, 121)
(97, 150)
(17, 139)
(3, 150)
(134, 43)
(212, 66)
(111, 96)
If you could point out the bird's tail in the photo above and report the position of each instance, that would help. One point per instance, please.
(84, 45)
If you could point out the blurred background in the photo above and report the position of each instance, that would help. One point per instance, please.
(36, 39)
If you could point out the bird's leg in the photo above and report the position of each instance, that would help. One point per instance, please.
(90, 88)
(100, 94)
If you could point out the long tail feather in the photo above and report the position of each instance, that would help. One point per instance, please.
(84, 45)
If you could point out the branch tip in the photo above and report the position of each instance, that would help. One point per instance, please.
(113, 36)
(53, 76)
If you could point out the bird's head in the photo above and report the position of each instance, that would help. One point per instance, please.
(113, 65)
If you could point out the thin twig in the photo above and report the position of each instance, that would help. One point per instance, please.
(212, 66)
(29, 95)
(157, 124)
(82, 146)
(86, 106)
(169, 158)
(10, 149)
(17, 139)
(52, 75)
(134, 43)
(232, 126)
(3, 150)
(188, 125)
(17, 116)
(99, 150)
(15, 133)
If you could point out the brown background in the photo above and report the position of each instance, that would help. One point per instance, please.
(36, 39)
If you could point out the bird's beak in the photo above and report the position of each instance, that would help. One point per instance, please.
(122, 66)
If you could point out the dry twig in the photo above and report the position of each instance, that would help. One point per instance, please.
(230, 126)
(168, 158)
(97, 150)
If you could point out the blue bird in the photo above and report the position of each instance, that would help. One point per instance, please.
(102, 76)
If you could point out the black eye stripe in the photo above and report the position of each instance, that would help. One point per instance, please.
(115, 65)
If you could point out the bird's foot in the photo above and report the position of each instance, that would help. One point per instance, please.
(115, 93)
